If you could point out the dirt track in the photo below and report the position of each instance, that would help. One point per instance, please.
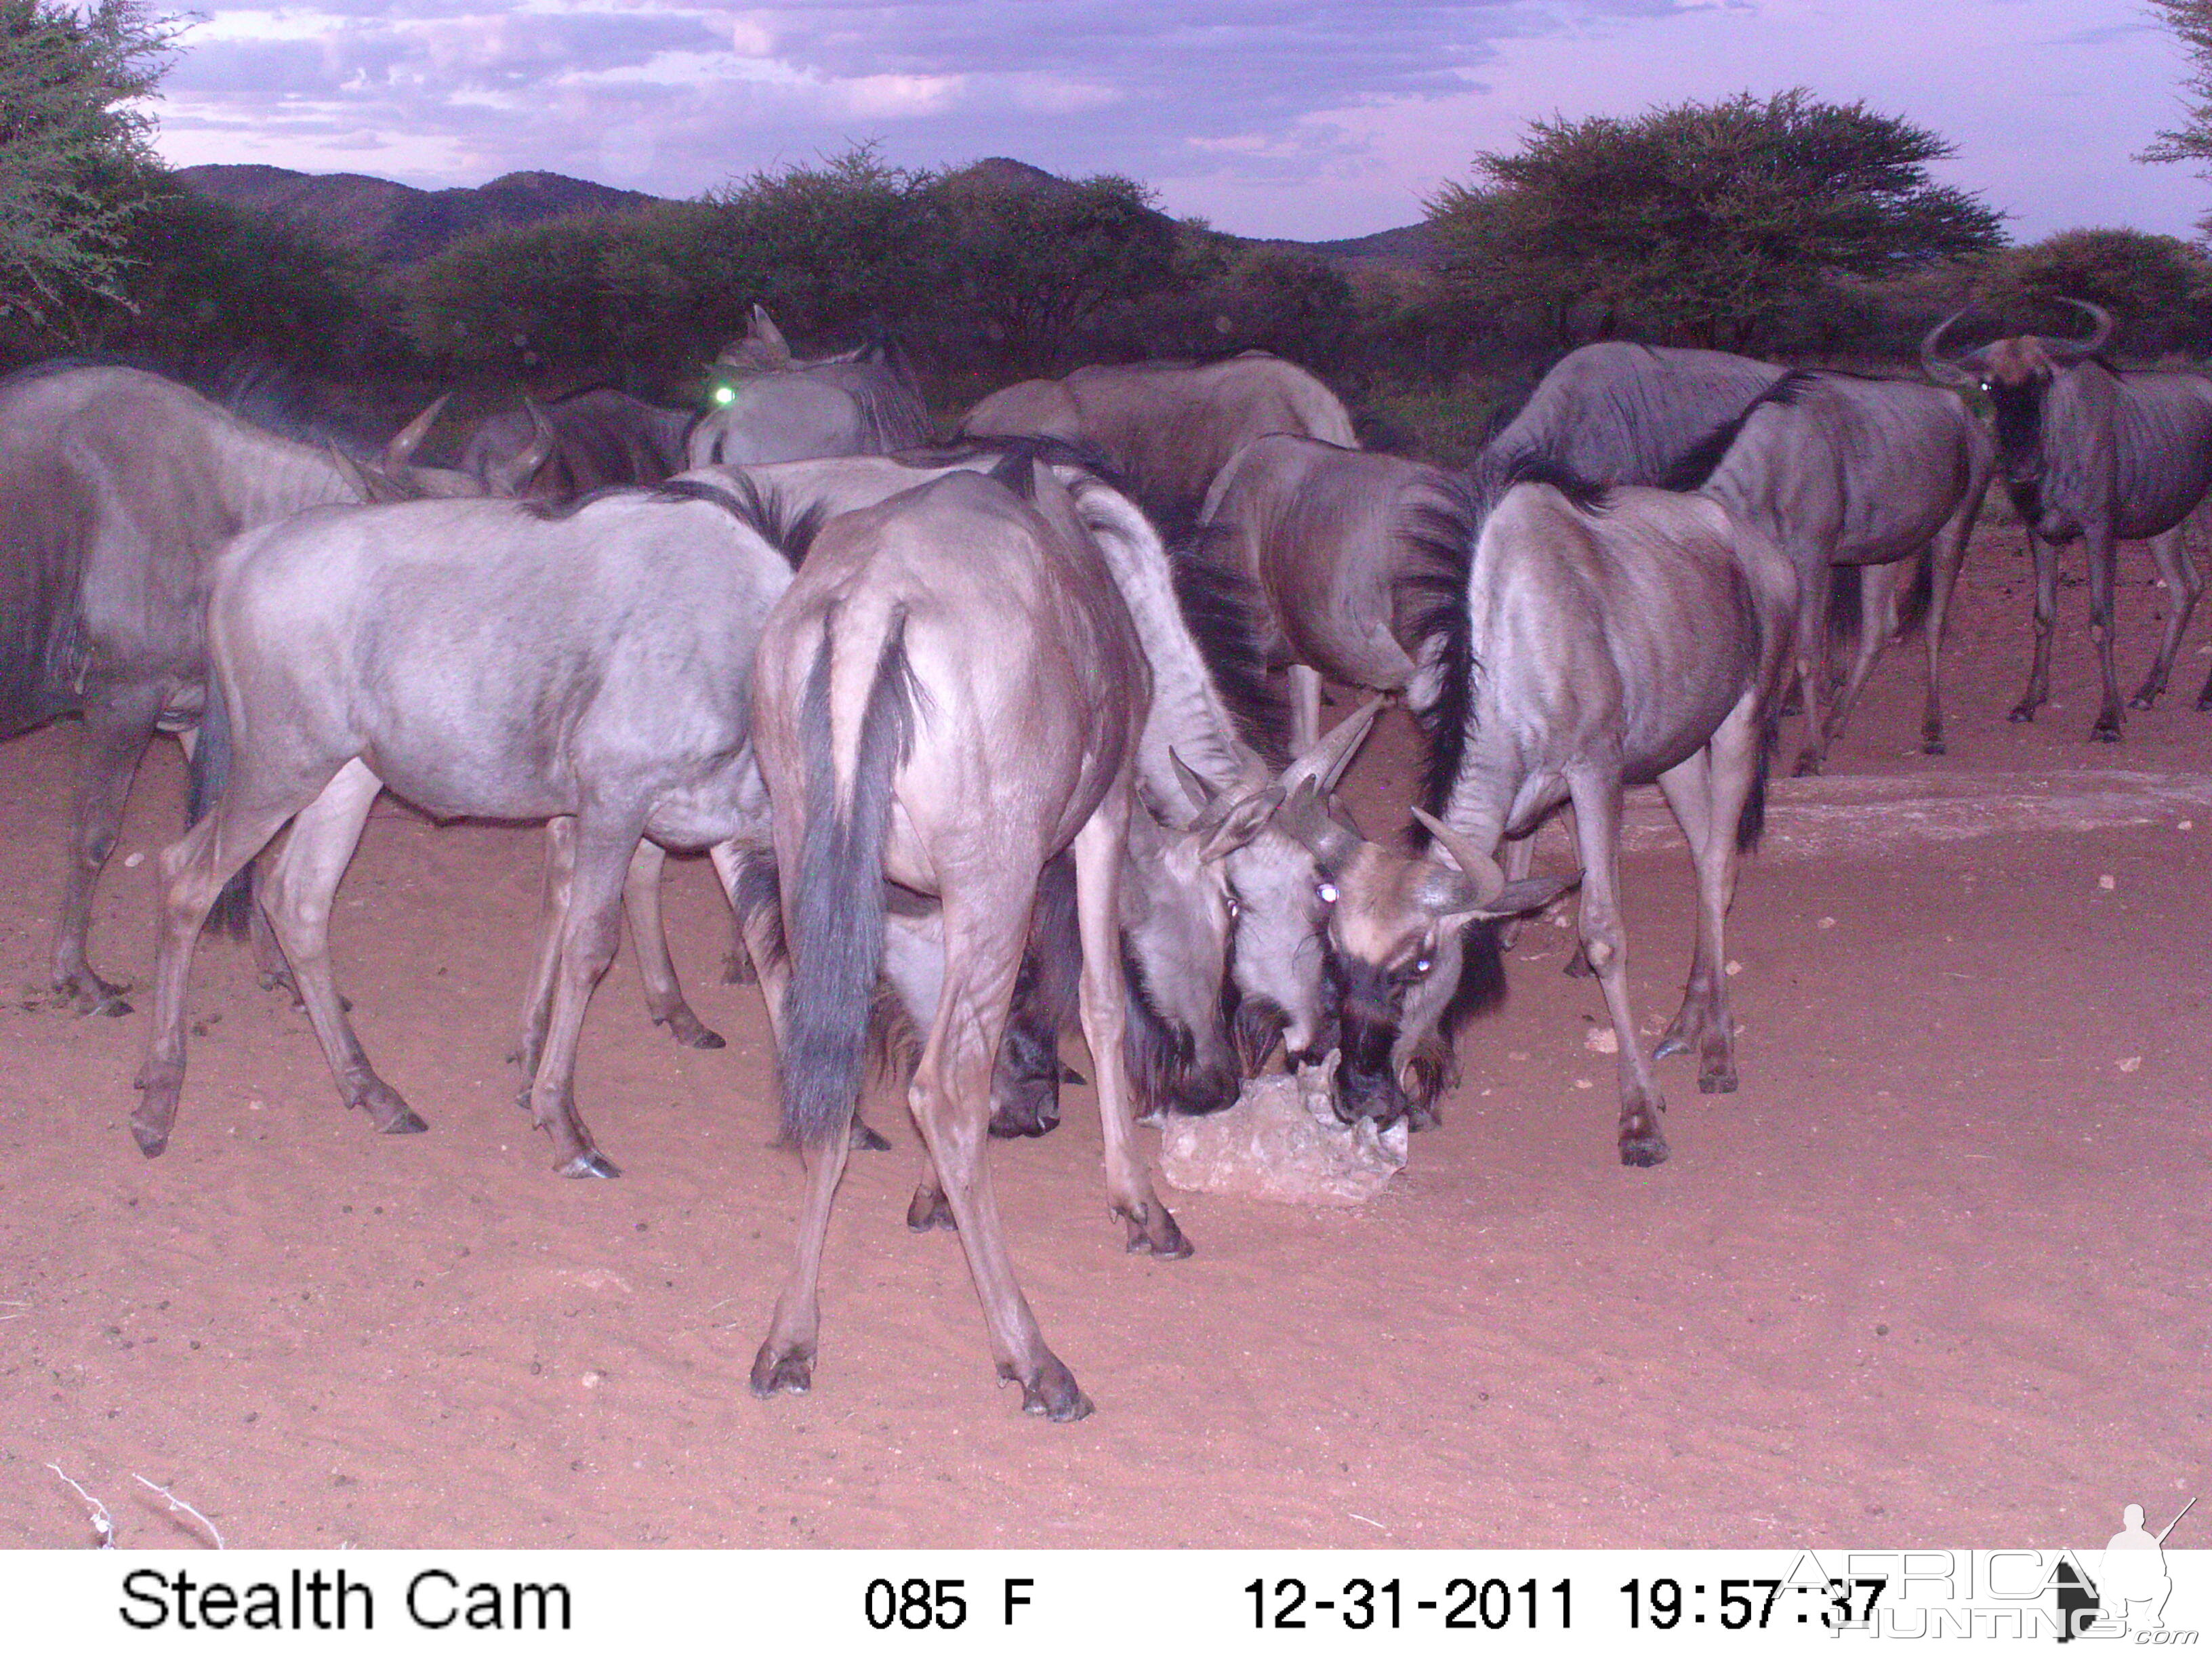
(1937, 1275)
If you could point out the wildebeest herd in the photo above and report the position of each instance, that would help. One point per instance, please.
(982, 734)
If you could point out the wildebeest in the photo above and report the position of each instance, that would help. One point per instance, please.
(1838, 470)
(1618, 413)
(1167, 428)
(585, 440)
(479, 660)
(1599, 639)
(117, 487)
(1340, 545)
(770, 405)
(921, 640)
(2105, 454)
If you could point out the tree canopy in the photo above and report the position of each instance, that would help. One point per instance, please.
(72, 135)
(1705, 223)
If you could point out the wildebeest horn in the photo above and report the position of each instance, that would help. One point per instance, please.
(1942, 369)
(1305, 818)
(527, 463)
(762, 329)
(1486, 880)
(2095, 343)
(404, 442)
(1201, 792)
(1326, 760)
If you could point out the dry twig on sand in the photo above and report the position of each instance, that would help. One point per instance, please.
(103, 1523)
(175, 1503)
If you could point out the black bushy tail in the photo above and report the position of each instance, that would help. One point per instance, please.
(203, 786)
(1751, 823)
(837, 906)
(1912, 609)
(1846, 603)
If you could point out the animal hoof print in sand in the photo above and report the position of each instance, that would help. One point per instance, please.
(775, 1374)
(1052, 1395)
(589, 1166)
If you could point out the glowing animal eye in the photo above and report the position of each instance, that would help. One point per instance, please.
(1326, 892)
(1235, 908)
(724, 395)
(1422, 966)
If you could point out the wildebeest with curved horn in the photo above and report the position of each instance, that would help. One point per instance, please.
(921, 638)
(1167, 428)
(2100, 453)
(117, 487)
(587, 440)
(482, 660)
(770, 405)
(1839, 470)
(1599, 639)
(1340, 544)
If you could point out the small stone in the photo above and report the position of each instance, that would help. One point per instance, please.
(134, 861)
(1583, 1083)
(1825, 921)
(2186, 824)
(1601, 1039)
(591, 1379)
(1733, 969)
(2106, 883)
(2132, 1063)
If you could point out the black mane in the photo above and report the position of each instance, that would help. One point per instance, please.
(1704, 457)
(1221, 608)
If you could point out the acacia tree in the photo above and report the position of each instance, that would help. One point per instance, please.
(72, 139)
(2191, 141)
(1706, 223)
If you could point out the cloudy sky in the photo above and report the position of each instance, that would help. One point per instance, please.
(1324, 118)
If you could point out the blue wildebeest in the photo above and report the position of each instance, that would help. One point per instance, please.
(117, 487)
(1167, 428)
(1340, 545)
(483, 661)
(1598, 639)
(2105, 454)
(1211, 744)
(769, 405)
(585, 440)
(1617, 413)
(1838, 470)
(925, 640)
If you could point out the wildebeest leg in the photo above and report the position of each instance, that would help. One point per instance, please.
(1305, 708)
(1712, 787)
(1947, 554)
(588, 935)
(1878, 625)
(951, 1097)
(1578, 964)
(116, 729)
(2104, 562)
(545, 954)
(2046, 621)
(785, 1364)
(298, 895)
(2183, 586)
(1520, 859)
(193, 873)
(1605, 942)
(1102, 996)
(664, 996)
(1816, 585)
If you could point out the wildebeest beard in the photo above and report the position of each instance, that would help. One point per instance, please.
(1166, 1071)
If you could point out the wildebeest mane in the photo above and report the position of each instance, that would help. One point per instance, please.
(765, 512)
(1221, 607)
(1703, 459)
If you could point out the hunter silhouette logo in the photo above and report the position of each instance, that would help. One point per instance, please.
(2130, 1591)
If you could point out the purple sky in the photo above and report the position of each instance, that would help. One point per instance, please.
(1327, 119)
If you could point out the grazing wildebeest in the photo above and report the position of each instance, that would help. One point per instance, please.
(2105, 454)
(1617, 413)
(117, 487)
(769, 405)
(1167, 428)
(1600, 639)
(480, 659)
(1213, 724)
(1838, 470)
(1342, 545)
(582, 441)
(925, 642)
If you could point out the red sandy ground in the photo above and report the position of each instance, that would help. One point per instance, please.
(1936, 1275)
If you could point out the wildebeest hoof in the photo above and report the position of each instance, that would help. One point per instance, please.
(1933, 746)
(1809, 766)
(589, 1166)
(1421, 1114)
(2142, 699)
(1069, 1074)
(929, 1210)
(1052, 1393)
(1578, 965)
(151, 1141)
(404, 1123)
(88, 994)
(2105, 733)
(738, 969)
(1152, 1231)
(862, 1138)
(1023, 1121)
(777, 1373)
(1642, 1152)
(1717, 1083)
(2022, 713)
(684, 1025)
(1670, 1045)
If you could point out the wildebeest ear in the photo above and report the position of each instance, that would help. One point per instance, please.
(1240, 821)
(762, 333)
(1199, 793)
(1018, 472)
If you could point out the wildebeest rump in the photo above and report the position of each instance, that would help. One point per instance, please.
(922, 637)
(1838, 470)
(1599, 640)
(1168, 428)
(479, 660)
(2105, 454)
(117, 487)
(770, 405)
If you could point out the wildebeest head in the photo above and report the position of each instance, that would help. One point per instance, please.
(1179, 919)
(1395, 923)
(2016, 373)
(394, 476)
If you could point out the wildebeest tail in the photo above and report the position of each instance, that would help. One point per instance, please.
(837, 904)
(203, 786)
(1751, 823)
(1912, 609)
